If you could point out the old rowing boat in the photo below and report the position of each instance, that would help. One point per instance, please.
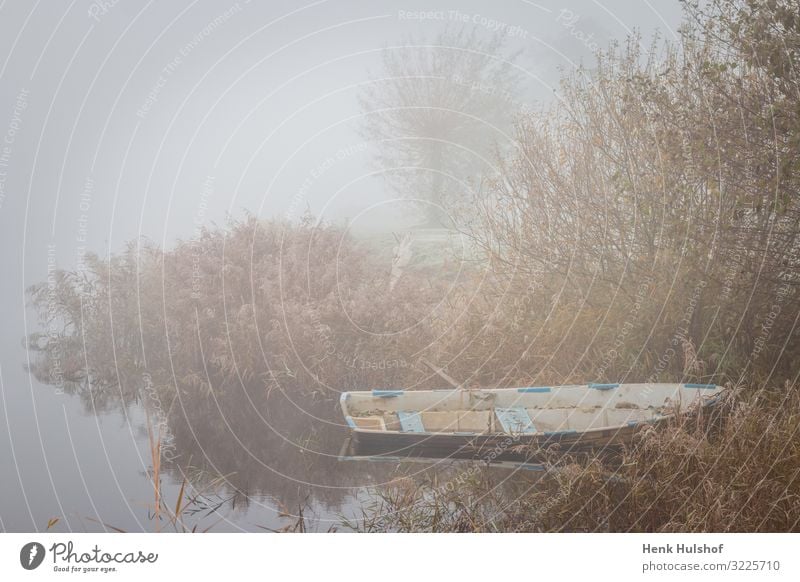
(499, 423)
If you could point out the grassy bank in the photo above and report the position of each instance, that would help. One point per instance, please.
(736, 469)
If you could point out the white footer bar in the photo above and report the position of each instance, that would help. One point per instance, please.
(399, 557)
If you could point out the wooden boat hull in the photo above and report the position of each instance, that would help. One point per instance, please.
(500, 447)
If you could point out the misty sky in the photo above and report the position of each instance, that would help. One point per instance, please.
(149, 118)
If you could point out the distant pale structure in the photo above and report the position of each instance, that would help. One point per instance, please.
(401, 257)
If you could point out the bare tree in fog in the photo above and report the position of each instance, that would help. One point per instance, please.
(436, 112)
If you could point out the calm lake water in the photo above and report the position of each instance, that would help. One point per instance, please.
(64, 458)
(257, 462)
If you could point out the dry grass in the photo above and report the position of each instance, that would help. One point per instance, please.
(736, 469)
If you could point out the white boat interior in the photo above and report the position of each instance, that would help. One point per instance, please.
(526, 410)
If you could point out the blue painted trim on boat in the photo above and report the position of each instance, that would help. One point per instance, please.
(515, 420)
(648, 421)
(531, 467)
(350, 422)
(701, 386)
(387, 393)
(560, 432)
(594, 386)
(538, 390)
(410, 421)
(343, 397)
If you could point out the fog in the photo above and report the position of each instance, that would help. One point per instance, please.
(130, 109)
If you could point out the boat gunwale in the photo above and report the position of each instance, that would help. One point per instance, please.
(545, 435)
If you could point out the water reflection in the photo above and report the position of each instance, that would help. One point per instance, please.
(260, 459)
(239, 363)
(272, 446)
(254, 460)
